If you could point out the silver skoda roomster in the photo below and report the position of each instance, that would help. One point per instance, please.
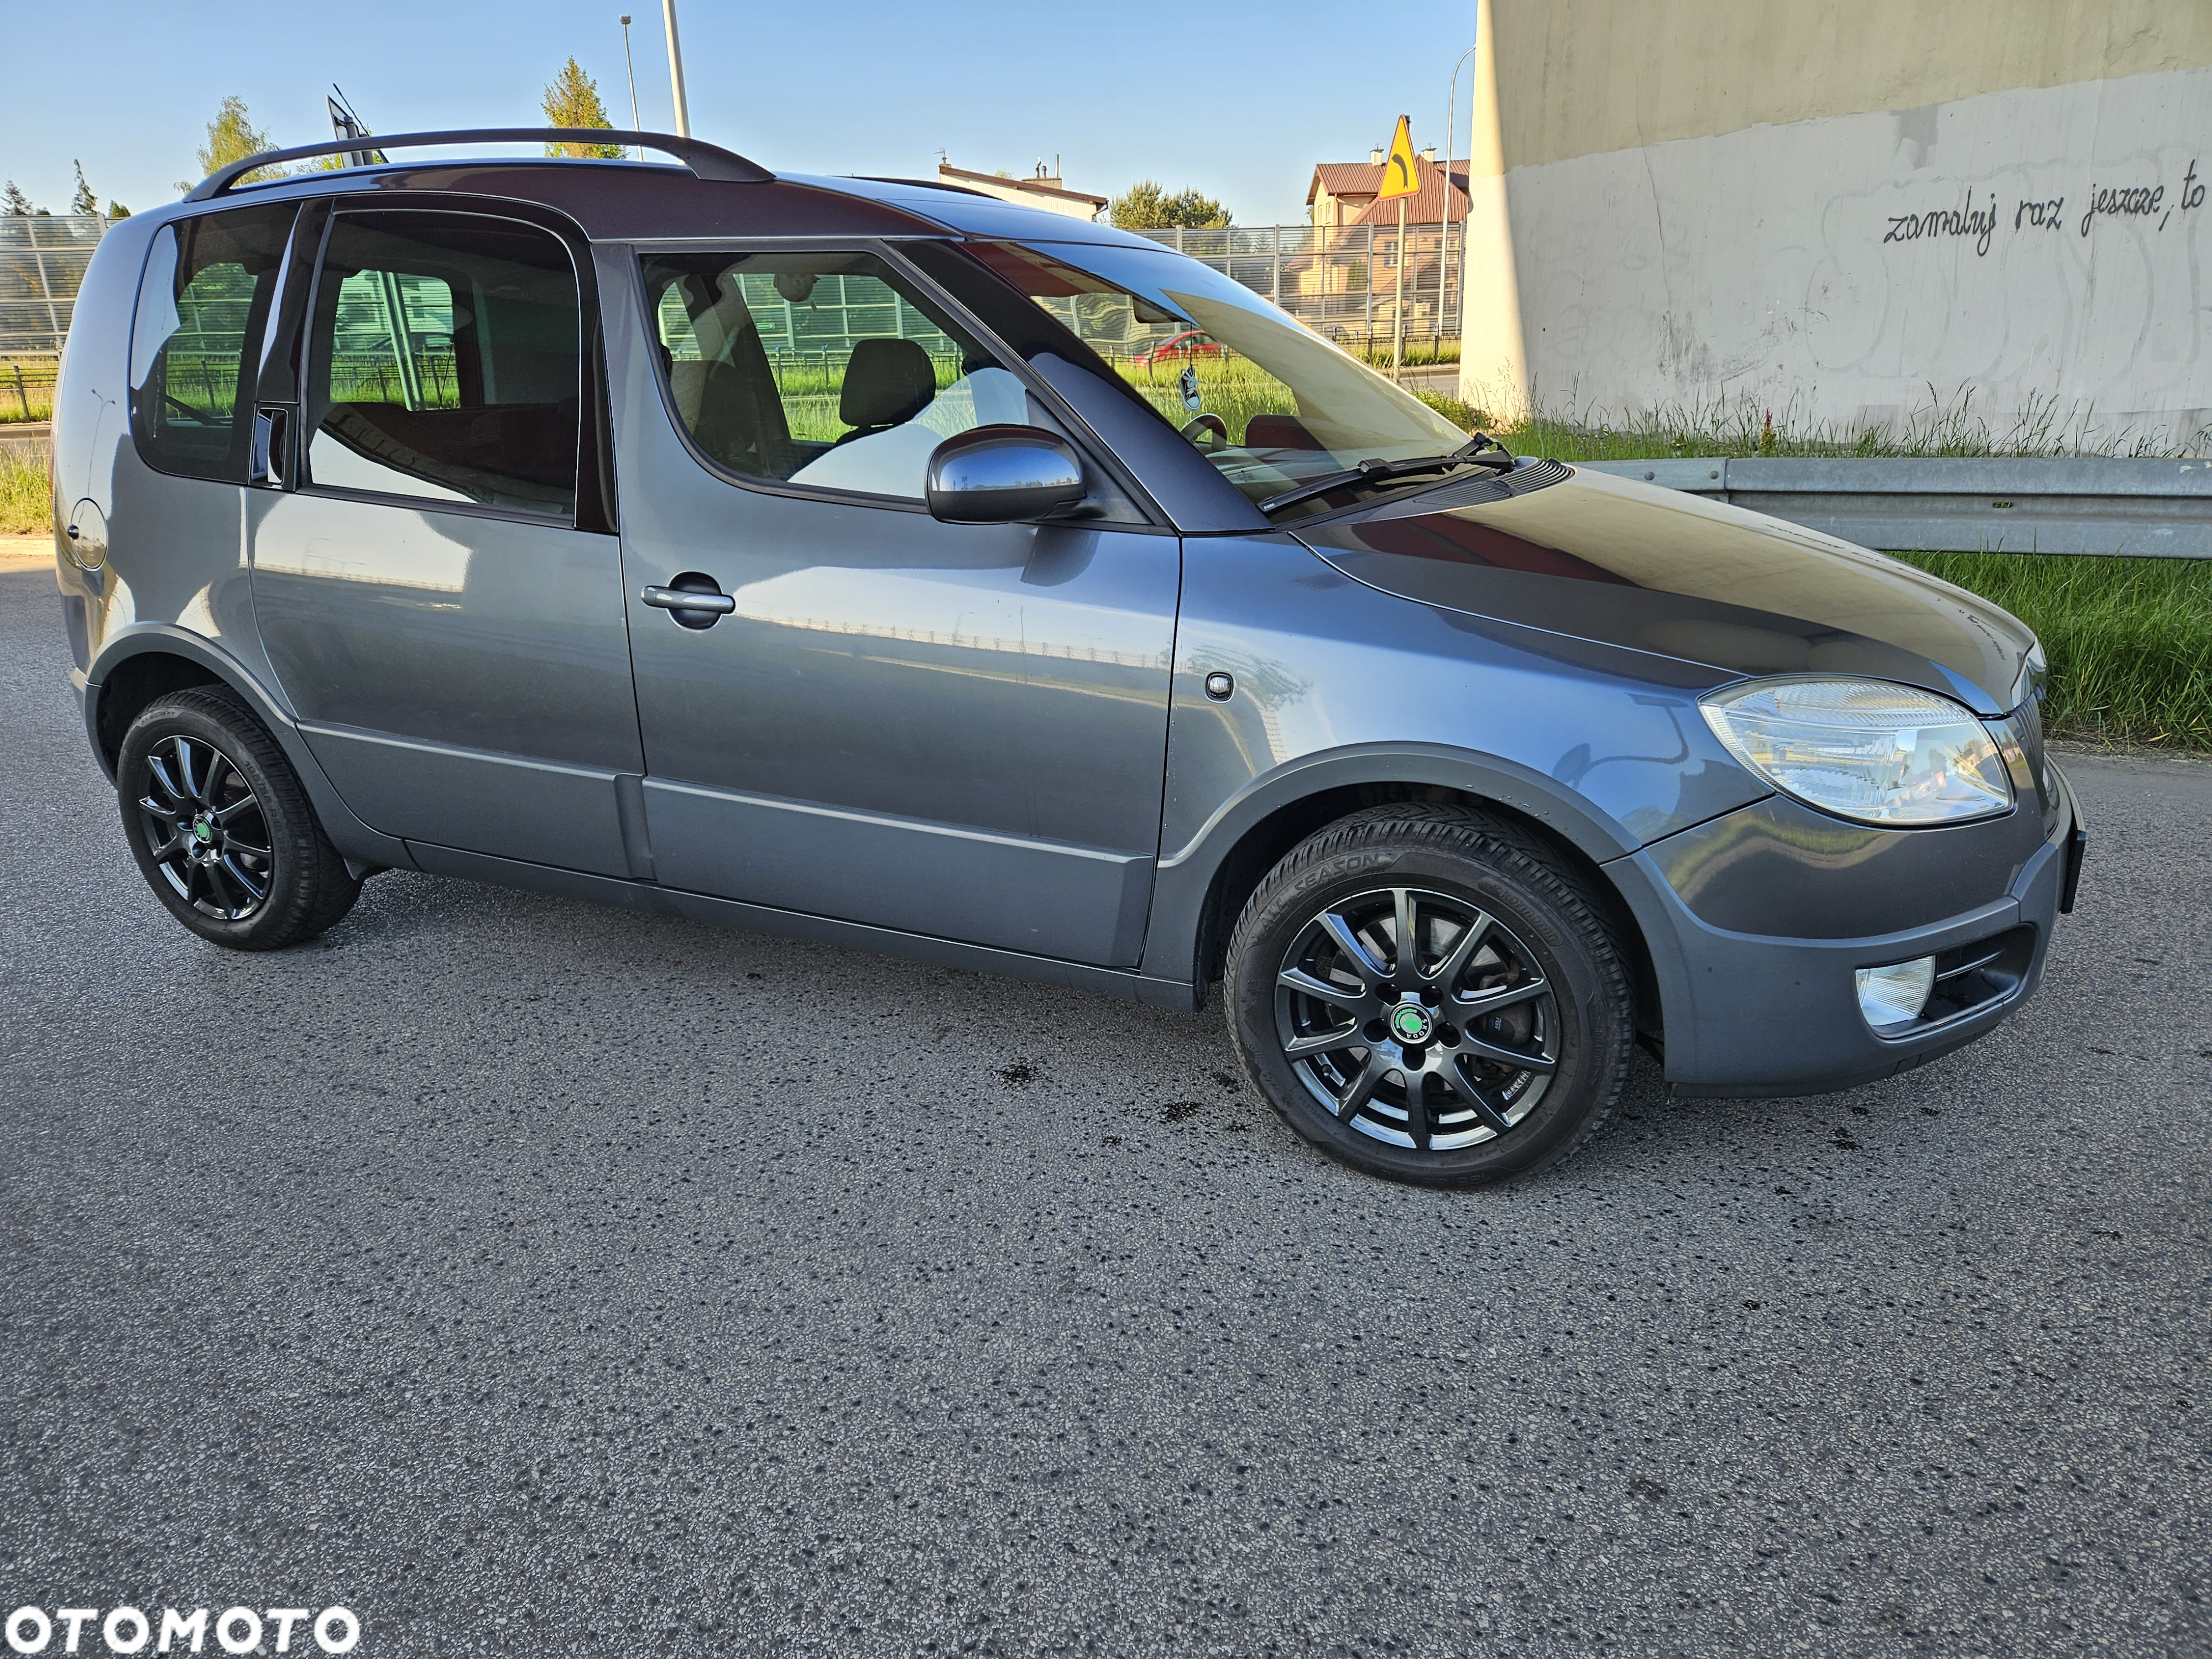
(838, 558)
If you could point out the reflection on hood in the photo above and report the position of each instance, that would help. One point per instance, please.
(1612, 560)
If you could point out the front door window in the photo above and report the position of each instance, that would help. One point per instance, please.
(829, 370)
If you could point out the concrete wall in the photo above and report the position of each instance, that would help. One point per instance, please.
(1845, 212)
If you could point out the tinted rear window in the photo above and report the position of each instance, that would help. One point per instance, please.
(201, 304)
(445, 361)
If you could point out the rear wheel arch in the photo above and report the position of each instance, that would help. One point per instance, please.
(130, 685)
(156, 658)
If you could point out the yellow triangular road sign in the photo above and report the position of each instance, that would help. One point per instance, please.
(1401, 174)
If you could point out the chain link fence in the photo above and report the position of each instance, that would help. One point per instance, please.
(1341, 280)
(42, 264)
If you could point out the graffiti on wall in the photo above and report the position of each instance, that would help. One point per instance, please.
(2066, 286)
(2107, 201)
(2040, 248)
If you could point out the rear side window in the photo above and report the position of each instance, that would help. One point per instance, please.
(445, 361)
(202, 303)
(828, 369)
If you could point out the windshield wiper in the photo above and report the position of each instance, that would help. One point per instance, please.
(1470, 453)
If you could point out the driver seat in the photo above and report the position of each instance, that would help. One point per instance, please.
(887, 383)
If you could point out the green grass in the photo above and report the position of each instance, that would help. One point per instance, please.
(25, 509)
(1426, 351)
(35, 400)
(1231, 387)
(2129, 640)
(1746, 427)
(1465, 417)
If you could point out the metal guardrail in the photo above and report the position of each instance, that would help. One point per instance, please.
(2153, 509)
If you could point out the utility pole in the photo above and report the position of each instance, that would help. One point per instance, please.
(635, 126)
(1398, 307)
(676, 69)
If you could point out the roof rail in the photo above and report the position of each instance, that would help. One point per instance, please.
(705, 161)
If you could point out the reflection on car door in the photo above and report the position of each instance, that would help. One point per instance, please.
(451, 639)
(956, 731)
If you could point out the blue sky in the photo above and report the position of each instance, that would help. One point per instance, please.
(1238, 99)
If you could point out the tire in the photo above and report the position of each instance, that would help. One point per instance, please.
(1515, 960)
(220, 828)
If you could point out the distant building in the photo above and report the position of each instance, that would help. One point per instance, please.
(1354, 258)
(1040, 189)
(1343, 193)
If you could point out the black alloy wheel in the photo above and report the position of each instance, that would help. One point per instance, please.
(221, 826)
(1432, 993)
(205, 828)
(1418, 1018)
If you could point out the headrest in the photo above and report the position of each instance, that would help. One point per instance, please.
(888, 381)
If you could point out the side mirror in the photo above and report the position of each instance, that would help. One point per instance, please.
(1003, 475)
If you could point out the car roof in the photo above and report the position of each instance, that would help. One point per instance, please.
(629, 200)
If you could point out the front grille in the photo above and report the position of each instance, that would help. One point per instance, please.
(2027, 720)
(2024, 726)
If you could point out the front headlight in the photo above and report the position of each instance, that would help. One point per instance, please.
(1864, 750)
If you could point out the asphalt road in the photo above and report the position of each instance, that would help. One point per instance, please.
(545, 1279)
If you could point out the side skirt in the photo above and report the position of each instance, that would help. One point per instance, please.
(1178, 994)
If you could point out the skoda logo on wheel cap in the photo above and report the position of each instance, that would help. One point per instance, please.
(1410, 1024)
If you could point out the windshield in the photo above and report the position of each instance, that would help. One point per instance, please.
(1272, 404)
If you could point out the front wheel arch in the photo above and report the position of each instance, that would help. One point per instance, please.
(1260, 845)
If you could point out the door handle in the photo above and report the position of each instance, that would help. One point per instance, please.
(699, 607)
(682, 598)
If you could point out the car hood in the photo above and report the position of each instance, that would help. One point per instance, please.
(1629, 564)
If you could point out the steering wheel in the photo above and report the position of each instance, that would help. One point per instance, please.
(1202, 426)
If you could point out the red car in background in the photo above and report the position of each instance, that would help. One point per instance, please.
(1191, 343)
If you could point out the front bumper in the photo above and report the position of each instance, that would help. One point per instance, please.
(1757, 1014)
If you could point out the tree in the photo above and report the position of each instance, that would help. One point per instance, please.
(116, 210)
(84, 204)
(13, 205)
(1147, 206)
(231, 137)
(572, 99)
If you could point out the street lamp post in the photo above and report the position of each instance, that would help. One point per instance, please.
(1443, 225)
(676, 69)
(635, 126)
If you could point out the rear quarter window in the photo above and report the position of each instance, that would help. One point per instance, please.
(203, 301)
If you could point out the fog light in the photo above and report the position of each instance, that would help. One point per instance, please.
(1895, 995)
